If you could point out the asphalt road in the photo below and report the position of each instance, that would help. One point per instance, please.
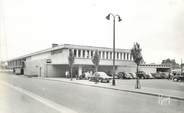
(86, 99)
(13, 101)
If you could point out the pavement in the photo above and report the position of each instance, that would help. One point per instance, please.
(88, 97)
(163, 93)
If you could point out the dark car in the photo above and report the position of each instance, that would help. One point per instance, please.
(156, 75)
(178, 78)
(142, 75)
(116, 76)
(100, 77)
(164, 75)
(133, 75)
(124, 75)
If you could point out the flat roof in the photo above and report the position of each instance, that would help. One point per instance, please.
(72, 46)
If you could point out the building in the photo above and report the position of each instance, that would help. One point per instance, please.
(53, 62)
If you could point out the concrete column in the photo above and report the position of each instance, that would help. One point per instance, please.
(115, 55)
(77, 54)
(109, 55)
(105, 55)
(89, 53)
(82, 53)
(80, 70)
(101, 55)
(119, 55)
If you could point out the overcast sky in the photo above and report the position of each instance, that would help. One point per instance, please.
(31, 25)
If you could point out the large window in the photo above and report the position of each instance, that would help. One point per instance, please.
(103, 55)
(121, 56)
(79, 53)
(87, 53)
(110, 55)
(75, 52)
(100, 54)
(107, 55)
(91, 53)
(117, 55)
(124, 56)
(83, 54)
(127, 56)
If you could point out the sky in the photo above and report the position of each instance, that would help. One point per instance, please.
(30, 25)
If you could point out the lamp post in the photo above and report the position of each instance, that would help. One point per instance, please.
(119, 19)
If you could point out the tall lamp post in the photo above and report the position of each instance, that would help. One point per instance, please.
(119, 19)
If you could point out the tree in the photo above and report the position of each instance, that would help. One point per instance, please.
(171, 62)
(138, 59)
(71, 59)
(96, 60)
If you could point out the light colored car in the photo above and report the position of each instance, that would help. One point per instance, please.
(150, 75)
(100, 77)
(133, 75)
(128, 75)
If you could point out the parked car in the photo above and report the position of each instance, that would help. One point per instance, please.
(142, 74)
(121, 75)
(124, 75)
(128, 75)
(100, 77)
(164, 75)
(133, 75)
(116, 76)
(156, 75)
(150, 75)
(178, 78)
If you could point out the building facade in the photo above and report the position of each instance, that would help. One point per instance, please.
(53, 62)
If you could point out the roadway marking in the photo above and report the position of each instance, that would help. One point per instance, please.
(45, 101)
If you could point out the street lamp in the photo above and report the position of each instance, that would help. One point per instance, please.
(119, 19)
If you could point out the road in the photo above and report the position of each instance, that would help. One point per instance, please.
(13, 101)
(84, 99)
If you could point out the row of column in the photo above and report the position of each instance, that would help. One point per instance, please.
(78, 53)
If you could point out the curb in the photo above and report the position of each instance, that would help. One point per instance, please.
(124, 90)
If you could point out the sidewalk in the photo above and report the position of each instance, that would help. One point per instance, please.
(167, 93)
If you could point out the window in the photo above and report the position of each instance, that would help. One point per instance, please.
(107, 55)
(100, 54)
(91, 53)
(110, 55)
(83, 54)
(121, 56)
(124, 56)
(127, 56)
(103, 55)
(117, 55)
(75, 52)
(87, 53)
(79, 53)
